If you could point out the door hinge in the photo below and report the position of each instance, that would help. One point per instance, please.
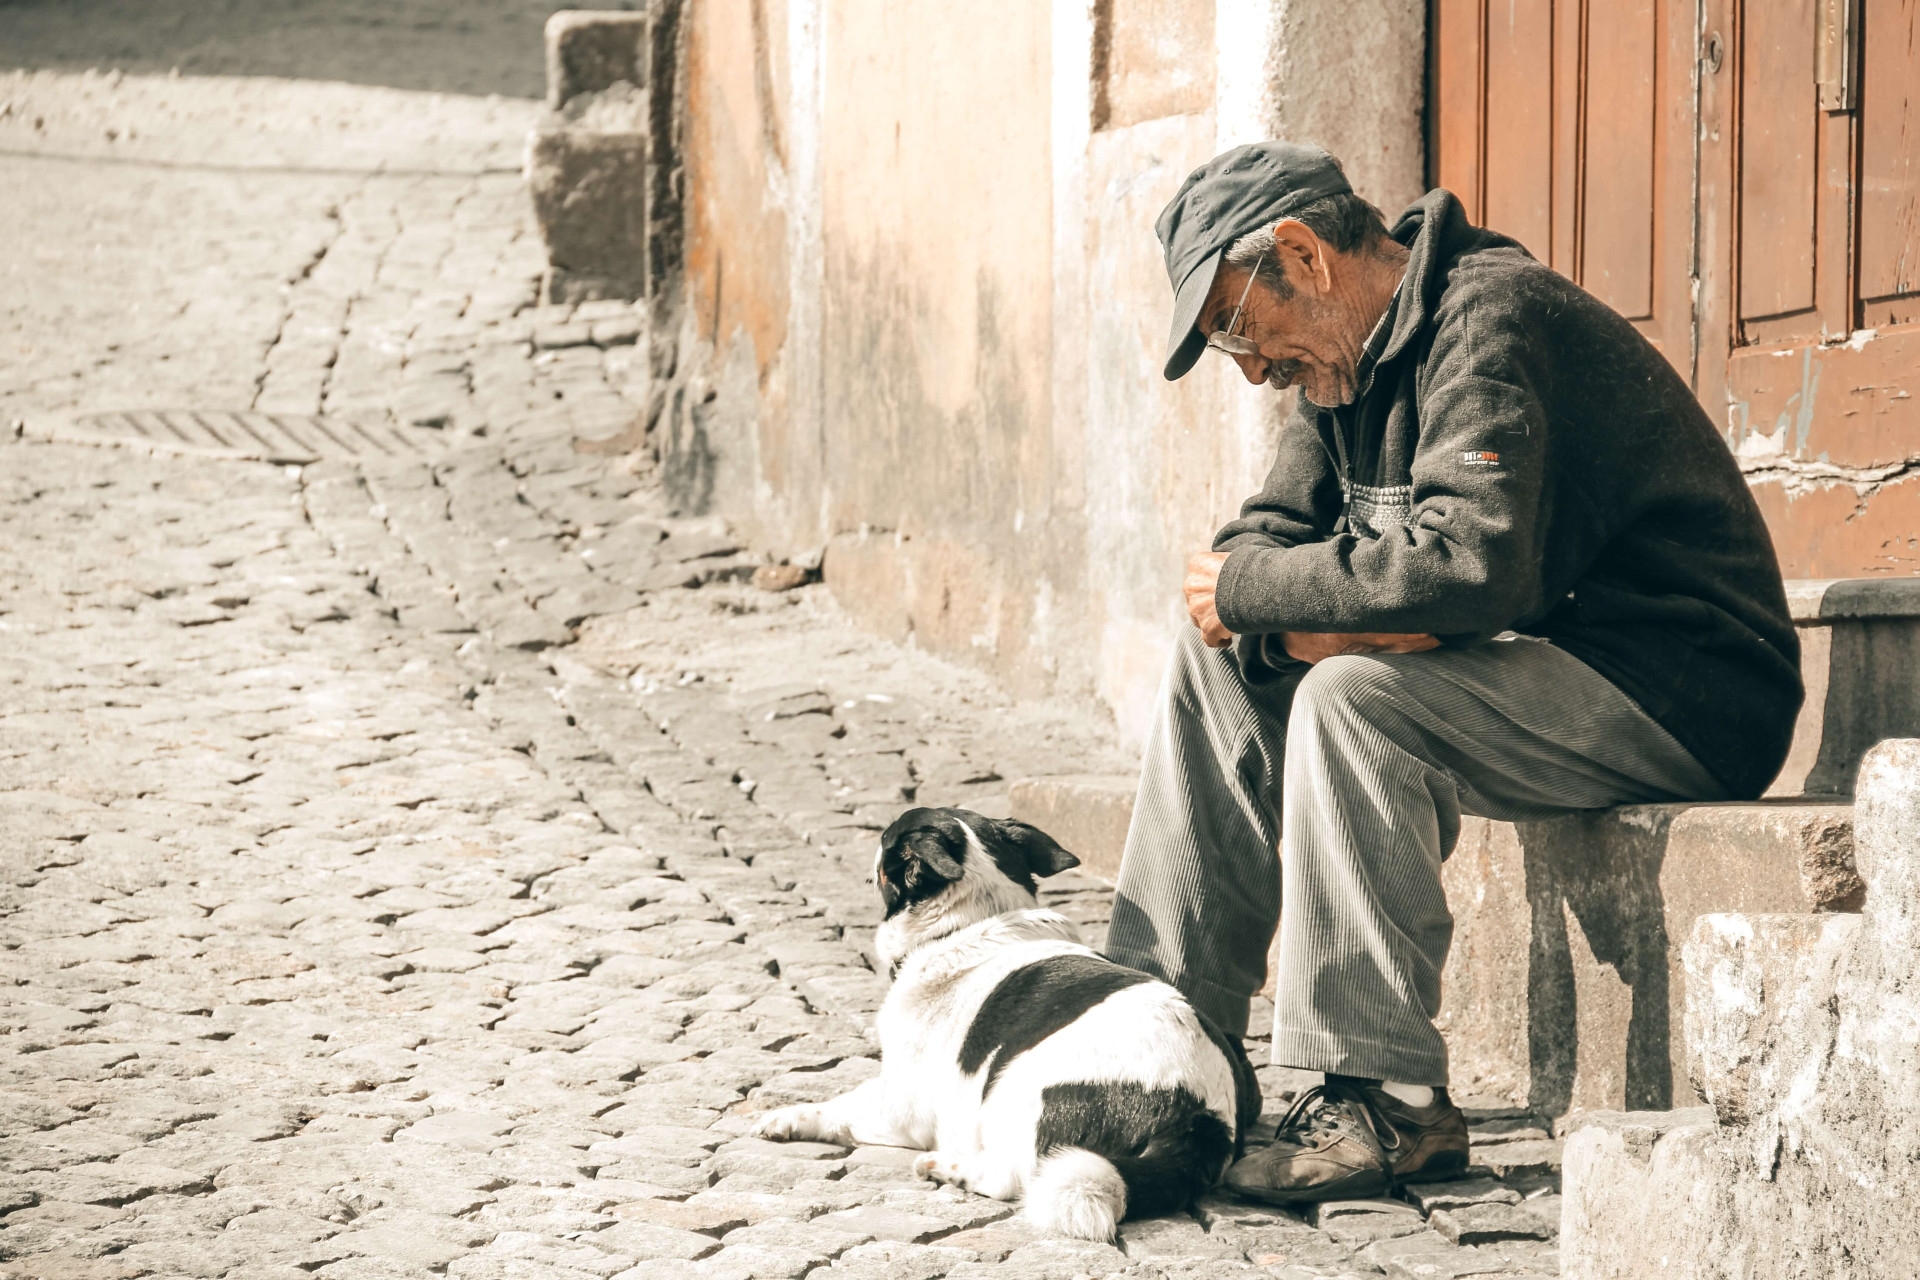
(1837, 53)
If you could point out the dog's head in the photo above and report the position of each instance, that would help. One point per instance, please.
(939, 870)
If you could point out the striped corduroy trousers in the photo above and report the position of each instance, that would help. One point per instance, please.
(1356, 772)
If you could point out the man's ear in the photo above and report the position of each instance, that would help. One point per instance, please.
(1043, 853)
(1303, 257)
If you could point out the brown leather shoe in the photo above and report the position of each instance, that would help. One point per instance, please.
(1347, 1139)
(1433, 1144)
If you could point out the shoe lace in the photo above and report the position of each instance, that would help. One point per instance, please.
(1330, 1107)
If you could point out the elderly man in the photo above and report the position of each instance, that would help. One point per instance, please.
(1503, 566)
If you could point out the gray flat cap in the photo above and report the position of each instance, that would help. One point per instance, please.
(1235, 193)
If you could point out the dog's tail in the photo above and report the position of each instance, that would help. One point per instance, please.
(1119, 1147)
(1075, 1192)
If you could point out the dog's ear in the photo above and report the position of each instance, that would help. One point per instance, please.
(914, 865)
(929, 856)
(929, 868)
(1043, 853)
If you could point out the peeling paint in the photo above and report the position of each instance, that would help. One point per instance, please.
(1809, 389)
(1800, 477)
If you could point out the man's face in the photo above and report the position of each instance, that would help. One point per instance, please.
(1311, 339)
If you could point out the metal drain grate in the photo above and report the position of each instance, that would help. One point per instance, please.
(266, 437)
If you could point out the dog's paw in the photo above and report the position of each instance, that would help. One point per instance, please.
(789, 1124)
(935, 1167)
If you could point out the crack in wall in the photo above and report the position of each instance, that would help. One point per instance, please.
(1801, 478)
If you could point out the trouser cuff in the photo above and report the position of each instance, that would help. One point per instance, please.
(1305, 1049)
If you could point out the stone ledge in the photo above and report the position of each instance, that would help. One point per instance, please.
(1813, 601)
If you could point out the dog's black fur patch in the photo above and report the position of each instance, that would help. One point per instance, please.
(1246, 1085)
(1168, 1147)
(925, 849)
(1032, 1003)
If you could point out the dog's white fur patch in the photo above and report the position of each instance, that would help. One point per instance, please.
(1077, 1193)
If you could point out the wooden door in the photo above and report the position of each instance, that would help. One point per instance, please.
(1568, 125)
(1810, 271)
(1741, 178)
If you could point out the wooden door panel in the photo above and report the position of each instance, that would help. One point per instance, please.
(1519, 115)
(1616, 264)
(1567, 124)
(1890, 163)
(1849, 403)
(1779, 177)
(1458, 74)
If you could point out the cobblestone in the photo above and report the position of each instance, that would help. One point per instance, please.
(430, 868)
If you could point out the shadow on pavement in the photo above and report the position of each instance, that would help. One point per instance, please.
(451, 46)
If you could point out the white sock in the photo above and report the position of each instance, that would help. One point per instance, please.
(1414, 1095)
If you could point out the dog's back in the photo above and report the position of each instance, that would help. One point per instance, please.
(1114, 1076)
(1099, 1090)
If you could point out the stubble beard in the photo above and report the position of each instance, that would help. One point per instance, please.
(1286, 373)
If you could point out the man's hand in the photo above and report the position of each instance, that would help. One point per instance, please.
(1203, 579)
(1312, 646)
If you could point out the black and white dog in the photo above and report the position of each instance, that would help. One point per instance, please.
(1019, 1059)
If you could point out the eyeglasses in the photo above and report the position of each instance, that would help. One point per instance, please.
(1225, 339)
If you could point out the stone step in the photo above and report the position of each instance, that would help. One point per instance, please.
(1564, 987)
(1859, 648)
(1800, 1036)
(1087, 813)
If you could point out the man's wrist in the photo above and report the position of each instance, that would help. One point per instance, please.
(1225, 595)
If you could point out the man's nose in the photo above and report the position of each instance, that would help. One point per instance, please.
(1254, 367)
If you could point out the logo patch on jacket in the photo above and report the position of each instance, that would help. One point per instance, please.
(1480, 458)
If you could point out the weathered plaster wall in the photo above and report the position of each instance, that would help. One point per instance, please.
(724, 436)
(926, 312)
(937, 330)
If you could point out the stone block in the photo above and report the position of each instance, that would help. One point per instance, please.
(1632, 1183)
(1888, 815)
(1859, 647)
(1476, 1224)
(881, 1223)
(1507, 1159)
(1430, 1196)
(590, 199)
(1565, 982)
(1087, 813)
(1739, 968)
(1804, 1043)
(591, 50)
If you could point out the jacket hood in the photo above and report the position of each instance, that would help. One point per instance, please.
(1435, 230)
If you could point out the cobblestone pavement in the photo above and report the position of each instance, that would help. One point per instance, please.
(429, 868)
